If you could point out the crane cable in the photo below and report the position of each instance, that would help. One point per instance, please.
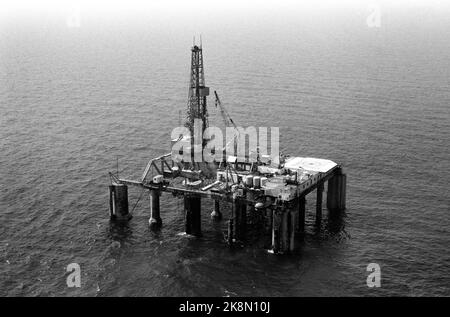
(140, 196)
(226, 118)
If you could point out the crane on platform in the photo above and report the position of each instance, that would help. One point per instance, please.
(227, 121)
(225, 115)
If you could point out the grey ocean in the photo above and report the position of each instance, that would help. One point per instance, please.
(374, 99)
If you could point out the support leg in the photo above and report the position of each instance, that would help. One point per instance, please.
(216, 214)
(276, 231)
(251, 215)
(243, 221)
(230, 237)
(336, 194)
(319, 203)
(292, 227)
(118, 200)
(192, 208)
(111, 202)
(332, 193)
(267, 229)
(155, 218)
(285, 239)
(343, 192)
(239, 220)
(301, 213)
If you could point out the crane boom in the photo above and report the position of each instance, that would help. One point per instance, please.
(225, 115)
(227, 120)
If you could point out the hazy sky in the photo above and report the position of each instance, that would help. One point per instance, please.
(210, 12)
(152, 6)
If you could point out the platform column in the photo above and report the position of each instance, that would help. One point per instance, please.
(155, 217)
(276, 230)
(243, 220)
(301, 213)
(230, 237)
(319, 202)
(292, 226)
(216, 214)
(336, 193)
(266, 217)
(236, 213)
(343, 191)
(192, 209)
(332, 193)
(118, 202)
(285, 227)
(268, 220)
(251, 214)
(239, 220)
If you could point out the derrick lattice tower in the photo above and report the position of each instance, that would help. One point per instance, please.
(197, 91)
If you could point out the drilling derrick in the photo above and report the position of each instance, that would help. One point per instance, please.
(197, 92)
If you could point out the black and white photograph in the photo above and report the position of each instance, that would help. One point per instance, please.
(224, 153)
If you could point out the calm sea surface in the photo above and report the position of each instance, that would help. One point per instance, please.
(376, 100)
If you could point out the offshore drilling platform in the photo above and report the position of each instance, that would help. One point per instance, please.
(268, 192)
